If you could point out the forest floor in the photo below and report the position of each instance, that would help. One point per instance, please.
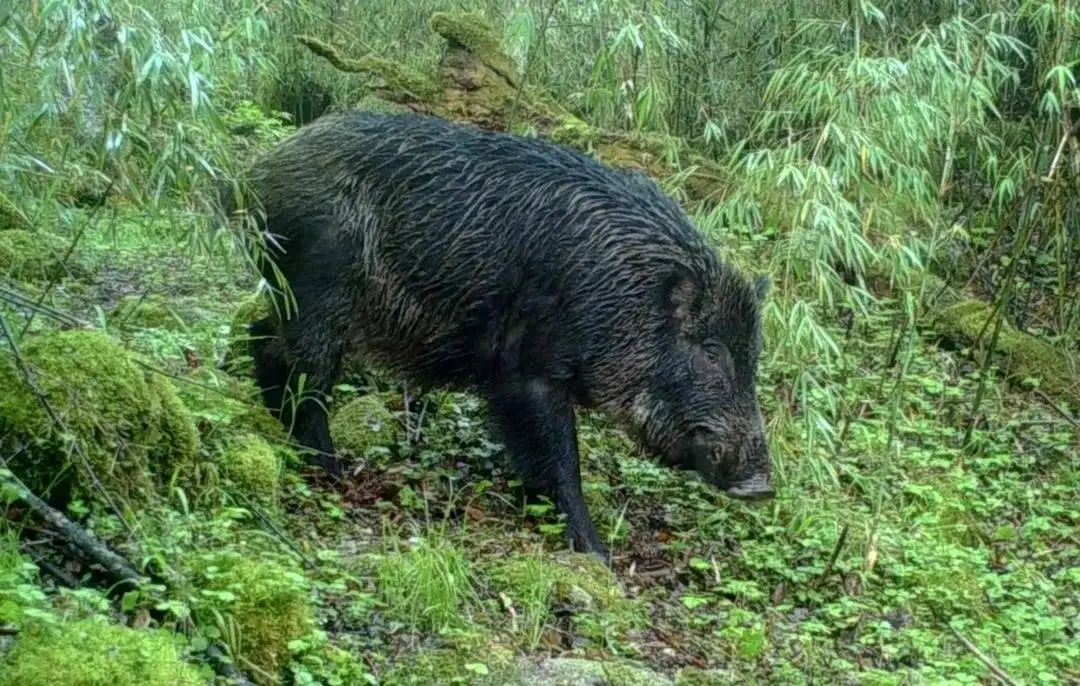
(891, 556)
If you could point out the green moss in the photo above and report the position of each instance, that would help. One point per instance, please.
(364, 424)
(34, 256)
(538, 583)
(1023, 356)
(472, 31)
(94, 653)
(373, 103)
(223, 406)
(264, 605)
(252, 465)
(109, 406)
(150, 312)
(178, 446)
(576, 134)
(391, 80)
(581, 580)
(396, 81)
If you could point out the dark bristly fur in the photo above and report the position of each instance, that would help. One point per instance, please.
(521, 270)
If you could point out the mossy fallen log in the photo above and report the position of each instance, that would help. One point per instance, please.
(476, 82)
(1020, 356)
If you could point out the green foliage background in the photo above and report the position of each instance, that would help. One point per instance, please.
(928, 521)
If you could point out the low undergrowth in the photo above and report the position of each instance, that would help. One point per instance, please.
(889, 556)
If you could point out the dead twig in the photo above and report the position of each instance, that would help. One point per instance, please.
(83, 540)
(982, 657)
(832, 558)
(11, 295)
(1054, 406)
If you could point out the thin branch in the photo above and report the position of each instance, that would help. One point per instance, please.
(840, 541)
(998, 672)
(1056, 162)
(67, 256)
(1054, 406)
(82, 539)
(15, 298)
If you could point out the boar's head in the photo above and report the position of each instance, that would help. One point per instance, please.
(700, 410)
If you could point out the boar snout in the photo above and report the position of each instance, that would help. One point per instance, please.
(757, 487)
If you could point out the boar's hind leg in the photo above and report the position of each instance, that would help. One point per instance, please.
(536, 423)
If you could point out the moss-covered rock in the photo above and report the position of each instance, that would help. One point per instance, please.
(264, 604)
(538, 583)
(179, 442)
(34, 256)
(150, 312)
(366, 423)
(92, 652)
(253, 466)
(118, 415)
(580, 580)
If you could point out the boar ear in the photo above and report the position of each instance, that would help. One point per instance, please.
(762, 284)
(681, 294)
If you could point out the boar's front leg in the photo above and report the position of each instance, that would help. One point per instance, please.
(535, 420)
(311, 343)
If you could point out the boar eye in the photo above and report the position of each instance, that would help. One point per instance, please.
(712, 359)
(719, 356)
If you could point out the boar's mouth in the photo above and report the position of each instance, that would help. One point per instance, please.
(756, 487)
